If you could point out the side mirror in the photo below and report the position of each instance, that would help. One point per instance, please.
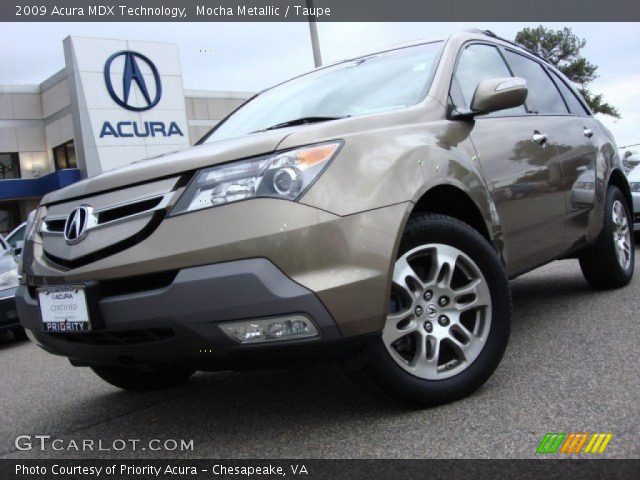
(499, 94)
(496, 94)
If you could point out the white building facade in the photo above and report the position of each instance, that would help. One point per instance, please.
(115, 102)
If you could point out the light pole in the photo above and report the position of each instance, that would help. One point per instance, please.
(313, 31)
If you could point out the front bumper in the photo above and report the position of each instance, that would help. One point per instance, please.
(346, 261)
(8, 313)
(178, 323)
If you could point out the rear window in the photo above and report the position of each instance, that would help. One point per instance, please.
(543, 95)
(575, 106)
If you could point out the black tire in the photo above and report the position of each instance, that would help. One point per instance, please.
(142, 381)
(19, 334)
(382, 375)
(599, 263)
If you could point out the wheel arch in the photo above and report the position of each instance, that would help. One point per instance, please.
(618, 178)
(454, 201)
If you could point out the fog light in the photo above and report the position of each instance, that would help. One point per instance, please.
(270, 329)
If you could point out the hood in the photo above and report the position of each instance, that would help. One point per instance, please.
(172, 164)
(247, 146)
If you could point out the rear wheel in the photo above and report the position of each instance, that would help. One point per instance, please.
(139, 380)
(609, 263)
(449, 315)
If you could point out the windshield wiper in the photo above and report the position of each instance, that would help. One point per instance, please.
(299, 121)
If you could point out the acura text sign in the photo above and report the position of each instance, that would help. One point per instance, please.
(147, 98)
(130, 100)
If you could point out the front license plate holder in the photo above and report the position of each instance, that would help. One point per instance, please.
(64, 309)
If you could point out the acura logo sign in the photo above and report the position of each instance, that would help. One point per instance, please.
(76, 226)
(145, 97)
(133, 74)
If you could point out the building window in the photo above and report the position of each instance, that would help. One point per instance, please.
(9, 216)
(64, 156)
(9, 165)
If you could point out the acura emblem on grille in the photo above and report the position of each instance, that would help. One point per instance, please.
(75, 228)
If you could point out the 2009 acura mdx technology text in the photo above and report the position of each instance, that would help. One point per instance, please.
(369, 213)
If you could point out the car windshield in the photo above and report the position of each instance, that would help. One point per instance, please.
(375, 83)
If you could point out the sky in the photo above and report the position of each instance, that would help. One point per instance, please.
(253, 56)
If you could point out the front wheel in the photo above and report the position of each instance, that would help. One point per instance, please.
(139, 380)
(19, 334)
(449, 315)
(609, 263)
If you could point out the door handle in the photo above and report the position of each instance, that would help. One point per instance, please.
(539, 138)
(587, 132)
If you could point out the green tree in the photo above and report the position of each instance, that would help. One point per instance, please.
(562, 49)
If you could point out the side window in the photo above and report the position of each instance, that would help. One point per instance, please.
(575, 106)
(478, 62)
(543, 95)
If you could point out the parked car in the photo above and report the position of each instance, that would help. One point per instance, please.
(347, 215)
(8, 284)
(634, 183)
(15, 239)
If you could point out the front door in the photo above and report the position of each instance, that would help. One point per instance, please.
(517, 152)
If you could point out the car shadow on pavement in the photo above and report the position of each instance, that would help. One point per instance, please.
(7, 341)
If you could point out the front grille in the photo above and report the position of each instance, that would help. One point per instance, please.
(115, 220)
(101, 201)
(123, 337)
(55, 225)
(116, 213)
(95, 240)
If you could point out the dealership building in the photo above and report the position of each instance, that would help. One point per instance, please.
(114, 102)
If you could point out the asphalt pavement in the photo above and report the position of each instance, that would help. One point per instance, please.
(572, 365)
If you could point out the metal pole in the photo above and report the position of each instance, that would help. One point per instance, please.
(313, 31)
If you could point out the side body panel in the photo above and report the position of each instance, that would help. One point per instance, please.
(583, 173)
(525, 179)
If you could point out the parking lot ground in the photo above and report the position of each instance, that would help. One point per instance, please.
(572, 365)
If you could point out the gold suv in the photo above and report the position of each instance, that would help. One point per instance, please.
(369, 213)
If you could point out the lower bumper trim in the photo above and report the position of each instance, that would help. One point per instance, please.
(179, 323)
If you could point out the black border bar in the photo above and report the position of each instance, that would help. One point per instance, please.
(546, 469)
(328, 10)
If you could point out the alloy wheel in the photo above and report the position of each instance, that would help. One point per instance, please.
(439, 312)
(621, 234)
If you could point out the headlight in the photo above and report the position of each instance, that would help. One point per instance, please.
(9, 279)
(284, 175)
(635, 186)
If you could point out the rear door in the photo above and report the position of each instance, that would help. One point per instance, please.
(580, 131)
(517, 152)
